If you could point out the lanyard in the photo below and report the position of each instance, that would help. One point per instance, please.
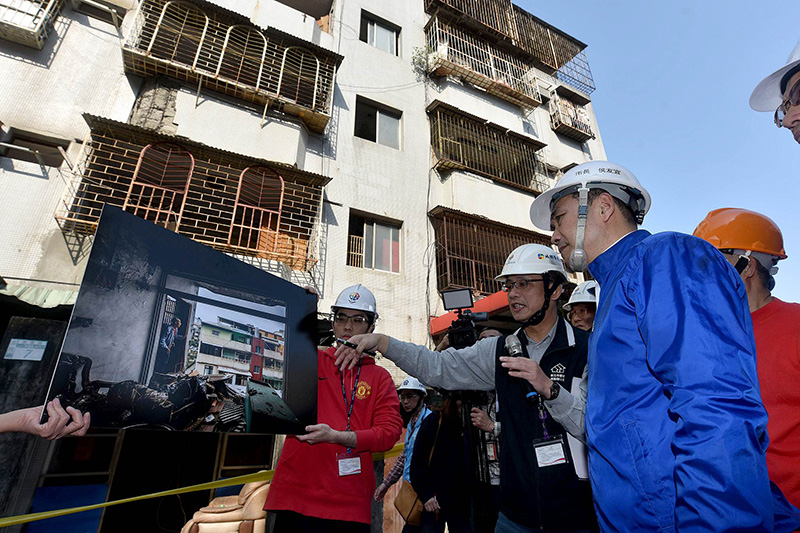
(349, 408)
(417, 422)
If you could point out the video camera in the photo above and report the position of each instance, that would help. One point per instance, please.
(461, 332)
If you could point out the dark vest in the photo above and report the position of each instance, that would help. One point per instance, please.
(552, 497)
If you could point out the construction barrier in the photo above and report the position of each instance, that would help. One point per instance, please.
(264, 475)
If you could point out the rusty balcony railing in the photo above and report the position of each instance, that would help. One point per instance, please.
(464, 142)
(219, 50)
(456, 52)
(471, 250)
(234, 203)
(570, 119)
(522, 35)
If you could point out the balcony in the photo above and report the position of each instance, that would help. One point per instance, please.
(520, 33)
(28, 22)
(465, 142)
(212, 48)
(456, 52)
(234, 203)
(471, 250)
(568, 115)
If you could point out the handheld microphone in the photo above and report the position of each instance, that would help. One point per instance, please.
(514, 349)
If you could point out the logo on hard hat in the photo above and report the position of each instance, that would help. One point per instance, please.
(546, 256)
(353, 297)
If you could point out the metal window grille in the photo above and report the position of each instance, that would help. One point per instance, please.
(570, 119)
(28, 22)
(466, 143)
(355, 251)
(179, 34)
(160, 182)
(461, 53)
(257, 218)
(201, 46)
(471, 251)
(242, 57)
(299, 76)
(513, 28)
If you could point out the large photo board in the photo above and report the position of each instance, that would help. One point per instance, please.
(168, 333)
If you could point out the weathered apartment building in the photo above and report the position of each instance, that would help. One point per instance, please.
(330, 142)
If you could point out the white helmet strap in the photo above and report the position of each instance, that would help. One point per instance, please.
(577, 259)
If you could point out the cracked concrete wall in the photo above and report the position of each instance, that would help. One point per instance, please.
(155, 105)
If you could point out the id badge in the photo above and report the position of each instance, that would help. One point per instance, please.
(491, 451)
(550, 452)
(349, 463)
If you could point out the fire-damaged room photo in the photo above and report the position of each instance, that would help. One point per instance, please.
(169, 334)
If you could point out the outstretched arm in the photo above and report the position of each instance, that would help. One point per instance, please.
(59, 424)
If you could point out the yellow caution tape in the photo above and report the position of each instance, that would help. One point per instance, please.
(264, 475)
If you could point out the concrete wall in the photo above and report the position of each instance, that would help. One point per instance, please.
(45, 92)
(377, 179)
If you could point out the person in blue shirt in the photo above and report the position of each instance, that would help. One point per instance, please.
(412, 400)
(675, 425)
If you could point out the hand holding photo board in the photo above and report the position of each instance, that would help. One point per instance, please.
(168, 333)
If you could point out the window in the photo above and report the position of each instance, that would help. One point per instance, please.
(373, 244)
(377, 124)
(256, 369)
(215, 332)
(208, 370)
(379, 33)
(25, 146)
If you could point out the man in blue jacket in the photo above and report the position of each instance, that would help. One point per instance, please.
(674, 421)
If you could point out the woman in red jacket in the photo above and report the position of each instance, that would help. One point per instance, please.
(324, 481)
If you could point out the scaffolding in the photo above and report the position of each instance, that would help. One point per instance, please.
(521, 34)
(234, 203)
(214, 49)
(471, 250)
(28, 22)
(464, 142)
(459, 53)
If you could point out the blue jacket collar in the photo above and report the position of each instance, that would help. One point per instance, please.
(607, 262)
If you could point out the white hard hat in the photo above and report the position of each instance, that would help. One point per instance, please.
(532, 259)
(411, 383)
(585, 293)
(768, 94)
(356, 297)
(617, 180)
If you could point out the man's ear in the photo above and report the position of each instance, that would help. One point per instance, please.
(557, 292)
(750, 270)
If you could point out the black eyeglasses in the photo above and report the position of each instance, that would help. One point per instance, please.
(341, 318)
(520, 284)
(792, 99)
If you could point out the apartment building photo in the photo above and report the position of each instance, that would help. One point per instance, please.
(329, 142)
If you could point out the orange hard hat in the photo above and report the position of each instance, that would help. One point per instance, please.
(740, 229)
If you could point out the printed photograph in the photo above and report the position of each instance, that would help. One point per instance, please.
(169, 334)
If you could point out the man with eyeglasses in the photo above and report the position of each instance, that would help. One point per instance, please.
(753, 244)
(780, 92)
(582, 305)
(325, 479)
(541, 394)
